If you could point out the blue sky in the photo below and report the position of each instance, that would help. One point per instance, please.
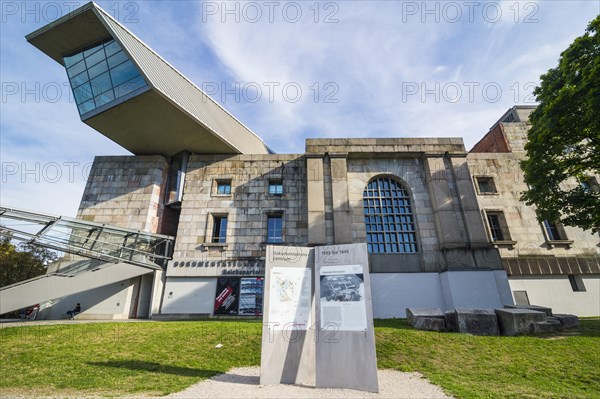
(288, 71)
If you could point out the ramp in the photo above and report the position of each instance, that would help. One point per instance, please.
(95, 255)
(52, 286)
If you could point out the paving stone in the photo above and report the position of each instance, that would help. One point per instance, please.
(477, 321)
(517, 321)
(412, 314)
(430, 324)
(568, 321)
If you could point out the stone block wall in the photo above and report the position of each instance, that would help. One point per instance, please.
(126, 191)
(247, 209)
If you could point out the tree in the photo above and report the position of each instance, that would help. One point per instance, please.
(564, 138)
(21, 262)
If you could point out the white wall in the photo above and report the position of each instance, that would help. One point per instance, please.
(108, 302)
(392, 293)
(555, 292)
(475, 289)
(189, 295)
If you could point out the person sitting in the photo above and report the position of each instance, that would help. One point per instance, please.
(74, 312)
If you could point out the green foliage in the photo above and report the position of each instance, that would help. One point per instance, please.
(564, 139)
(158, 358)
(21, 262)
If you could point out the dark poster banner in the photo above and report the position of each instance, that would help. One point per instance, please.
(227, 298)
(251, 295)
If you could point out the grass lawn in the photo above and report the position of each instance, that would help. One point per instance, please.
(157, 358)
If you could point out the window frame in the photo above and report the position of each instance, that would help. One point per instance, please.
(555, 241)
(222, 182)
(502, 226)
(275, 182)
(217, 227)
(275, 215)
(490, 181)
(576, 281)
(390, 217)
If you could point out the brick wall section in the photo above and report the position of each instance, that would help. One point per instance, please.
(125, 191)
(494, 141)
(247, 207)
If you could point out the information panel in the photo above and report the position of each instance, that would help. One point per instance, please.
(290, 297)
(345, 352)
(343, 298)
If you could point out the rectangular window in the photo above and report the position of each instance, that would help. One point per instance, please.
(485, 185)
(576, 283)
(275, 229)
(275, 187)
(219, 233)
(554, 232)
(498, 227)
(521, 298)
(224, 187)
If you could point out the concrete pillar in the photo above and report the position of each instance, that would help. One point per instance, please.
(341, 207)
(441, 201)
(316, 199)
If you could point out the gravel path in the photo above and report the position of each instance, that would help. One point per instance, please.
(244, 383)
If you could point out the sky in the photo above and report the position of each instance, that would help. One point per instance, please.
(289, 70)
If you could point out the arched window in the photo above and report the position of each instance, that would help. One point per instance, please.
(388, 217)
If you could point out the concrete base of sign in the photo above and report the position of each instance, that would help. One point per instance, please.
(288, 341)
(346, 357)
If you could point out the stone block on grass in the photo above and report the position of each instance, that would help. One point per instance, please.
(451, 323)
(477, 321)
(412, 314)
(541, 327)
(513, 322)
(556, 324)
(568, 321)
(537, 308)
(430, 324)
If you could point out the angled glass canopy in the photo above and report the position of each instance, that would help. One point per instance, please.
(92, 240)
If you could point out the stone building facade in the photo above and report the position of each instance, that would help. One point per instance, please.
(443, 205)
(547, 263)
(444, 227)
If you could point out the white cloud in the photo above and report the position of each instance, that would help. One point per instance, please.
(372, 55)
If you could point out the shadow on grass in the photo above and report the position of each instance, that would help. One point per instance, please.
(140, 365)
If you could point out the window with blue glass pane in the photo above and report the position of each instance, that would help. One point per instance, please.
(388, 217)
(275, 187)
(224, 187)
(275, 229)
(219, 234)
(101, 74)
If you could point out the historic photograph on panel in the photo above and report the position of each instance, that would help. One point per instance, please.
(342, 296)
(342, 287)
